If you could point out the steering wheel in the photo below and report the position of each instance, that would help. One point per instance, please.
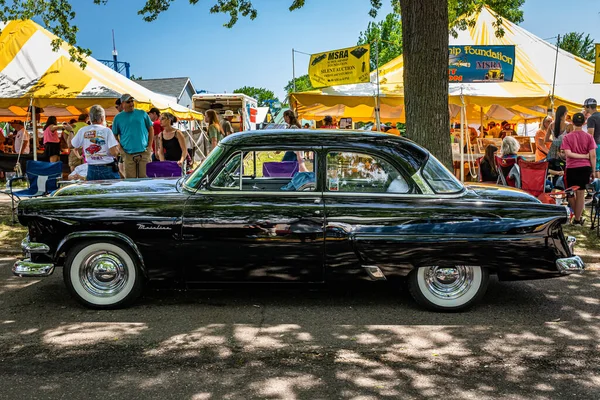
(307, 187)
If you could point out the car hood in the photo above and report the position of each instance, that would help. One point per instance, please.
(119, 186)
(500, 193)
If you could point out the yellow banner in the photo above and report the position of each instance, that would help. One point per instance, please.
(597, 69)
(340, 67)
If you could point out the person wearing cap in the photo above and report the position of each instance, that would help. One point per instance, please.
(328, 123)
(227, 118)
(593, 128)
(580, 149)
(134, 130)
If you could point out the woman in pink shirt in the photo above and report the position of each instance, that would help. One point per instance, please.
(51, 139)
(580, 148)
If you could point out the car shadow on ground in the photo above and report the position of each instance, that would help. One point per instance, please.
(525, 340)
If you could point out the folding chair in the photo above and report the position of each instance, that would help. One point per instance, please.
(504, 166)
(163, 169)
(533, 177)
(282, 169)
(42, 178)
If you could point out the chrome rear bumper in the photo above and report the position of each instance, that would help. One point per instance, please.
(27, 268)
(570, 265)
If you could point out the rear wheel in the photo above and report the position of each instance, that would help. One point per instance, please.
(448, 288)
(102, 275)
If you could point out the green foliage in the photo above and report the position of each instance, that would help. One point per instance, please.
(509, 9)
(302, 85)
(136, 78)
(260, 94)
(576, 44)
(387, 34)
(56, 16)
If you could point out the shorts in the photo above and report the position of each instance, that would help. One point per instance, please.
(578, 177)
(51, 149)
(598, 158)
(74, 161)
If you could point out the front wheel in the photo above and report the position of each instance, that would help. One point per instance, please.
(102, 275)
(448, 288)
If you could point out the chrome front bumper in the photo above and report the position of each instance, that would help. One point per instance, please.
(27, 268)
(570, 265)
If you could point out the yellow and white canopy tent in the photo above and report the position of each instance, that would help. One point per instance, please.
(31, 73)
(528, 96)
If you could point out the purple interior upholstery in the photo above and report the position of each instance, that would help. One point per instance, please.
(282, 169)
(163, 169)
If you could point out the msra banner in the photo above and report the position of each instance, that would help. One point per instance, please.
(481, 63)
(340, 67)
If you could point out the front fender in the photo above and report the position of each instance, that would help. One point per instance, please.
(75, 237)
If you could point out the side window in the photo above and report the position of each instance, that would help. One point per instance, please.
(355, 172)
(279, 170)
(277, 163)
(229, 176)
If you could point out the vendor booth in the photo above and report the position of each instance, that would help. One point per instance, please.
(35, 78)
(527, 98)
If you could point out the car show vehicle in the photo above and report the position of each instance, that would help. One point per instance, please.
(296, 206)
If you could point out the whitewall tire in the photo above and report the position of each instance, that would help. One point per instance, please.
(448, 288)
(102, 275)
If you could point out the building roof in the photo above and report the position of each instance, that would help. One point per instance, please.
(170, 86)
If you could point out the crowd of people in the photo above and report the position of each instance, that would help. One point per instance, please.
(570, 146)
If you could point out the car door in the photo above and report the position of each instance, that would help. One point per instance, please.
(235, 232)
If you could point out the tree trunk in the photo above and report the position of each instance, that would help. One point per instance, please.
(425, 41)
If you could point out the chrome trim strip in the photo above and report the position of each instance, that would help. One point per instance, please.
(28, 269)
(570, 265)
(333, 194)
(33, 247)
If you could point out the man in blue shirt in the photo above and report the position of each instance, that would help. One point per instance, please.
(134, 131)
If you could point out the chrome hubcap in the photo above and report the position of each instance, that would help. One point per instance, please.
(103, 274)
(449, 282)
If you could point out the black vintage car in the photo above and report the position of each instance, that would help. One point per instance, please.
(296, 207)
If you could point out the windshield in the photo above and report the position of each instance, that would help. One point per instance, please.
(439, 178)
(193, 180)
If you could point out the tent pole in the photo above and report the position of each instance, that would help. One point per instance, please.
(293, 70)
(554, 79)
(377, 105)
(462, 141)
(481, 121)
(34, 123)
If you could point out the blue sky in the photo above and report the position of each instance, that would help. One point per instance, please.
(189, 41)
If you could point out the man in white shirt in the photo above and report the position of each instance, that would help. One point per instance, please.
(99, 145)
(21, 138)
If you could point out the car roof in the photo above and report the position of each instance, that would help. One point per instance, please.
(408, 150)
(318, 136)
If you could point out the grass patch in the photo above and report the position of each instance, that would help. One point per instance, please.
(588, 243)
(11, 234)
